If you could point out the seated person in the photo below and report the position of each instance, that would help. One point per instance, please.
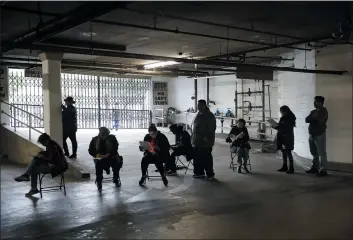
(182, 147)
(239, 137)
(50, 161)
(104, 148)
(158, 151)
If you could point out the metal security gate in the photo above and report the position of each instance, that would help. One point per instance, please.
(114, 102)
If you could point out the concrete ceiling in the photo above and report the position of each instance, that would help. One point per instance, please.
(299, 19)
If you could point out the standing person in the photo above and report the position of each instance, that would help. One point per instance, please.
(239, 137)
(317, 120)
(105, 147)
(50, 161)
(203, 139)
(285, 138)
(69, 116)
(157, 154)
(182, 147)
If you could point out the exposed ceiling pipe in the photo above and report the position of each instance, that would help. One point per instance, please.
(99, 67)
(91, 52)
(75, 17)
(83, 44)
(161, 14)
(185, 33)
(268, 48)
(12, 8)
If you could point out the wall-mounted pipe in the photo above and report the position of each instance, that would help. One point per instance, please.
(44, 48)
(195, 94)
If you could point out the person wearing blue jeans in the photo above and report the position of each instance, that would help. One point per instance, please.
(317, 120)
(50, 161)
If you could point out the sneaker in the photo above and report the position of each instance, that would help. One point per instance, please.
(99, 185)
(290, 170)
(312, 171)
(170, 173)
(165, 181)
(23, 178)
(246, 170)
(198, 176)
(142, 182)
(32, 192)
(67, 155)
(239, 169)
(322, 173)
(210, 178)
(117, 182)
(73, 156)
(284, 168)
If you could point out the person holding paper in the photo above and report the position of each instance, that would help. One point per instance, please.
(157, 153)
(239, 137)
(104, 149)
(52, 161)
(182, 147)
(285, 138)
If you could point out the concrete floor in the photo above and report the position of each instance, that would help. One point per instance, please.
(262, 205)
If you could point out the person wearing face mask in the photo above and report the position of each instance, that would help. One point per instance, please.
(104, 148)
(157, 153)
(285, 138)
(52, 161)
(239, 137)
(317, 120)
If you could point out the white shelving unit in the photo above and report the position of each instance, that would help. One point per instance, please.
(160, 116)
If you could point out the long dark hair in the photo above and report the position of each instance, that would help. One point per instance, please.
(290, 115)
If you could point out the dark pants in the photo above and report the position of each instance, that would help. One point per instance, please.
(203, 162)
(287, 154)
(37, 166)
(171, 162)
(105, 164)
(149, 158)
(72, 136)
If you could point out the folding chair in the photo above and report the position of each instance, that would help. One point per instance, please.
(105, 179)
(155, 176)
(183, 166)
(51, 188)
(234, 164)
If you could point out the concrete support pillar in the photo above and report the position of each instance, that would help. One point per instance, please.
(51, 69)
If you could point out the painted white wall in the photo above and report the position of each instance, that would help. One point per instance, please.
(337, 91)
(297, 91)
(222, 91)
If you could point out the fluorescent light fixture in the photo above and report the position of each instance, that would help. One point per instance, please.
(160, 64)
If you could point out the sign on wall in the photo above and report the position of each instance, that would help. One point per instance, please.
(4, 83)
(160, 93)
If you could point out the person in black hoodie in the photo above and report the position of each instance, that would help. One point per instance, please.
(239, 137)
(105, 148)
(285, 138)
(52, 161)
(157, 154)
(69, 119)
(182, 147)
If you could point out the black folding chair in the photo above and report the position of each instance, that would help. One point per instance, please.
(105, 179)
(51, 188)
(234, 163)
(183, 166)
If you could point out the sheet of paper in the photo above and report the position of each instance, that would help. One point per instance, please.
(272, 122)
(145, 145)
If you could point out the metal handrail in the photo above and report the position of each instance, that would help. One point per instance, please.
(31, 114)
